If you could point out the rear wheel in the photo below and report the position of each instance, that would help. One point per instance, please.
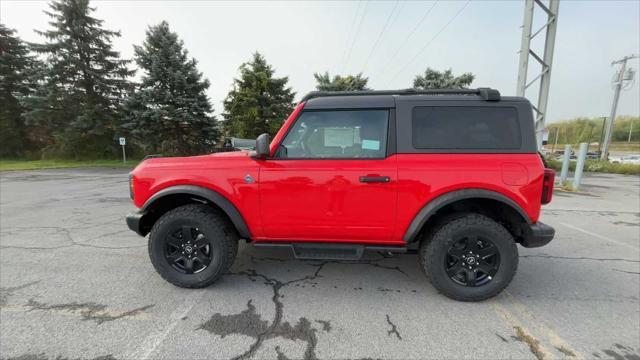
(469, 257)
(192, 246)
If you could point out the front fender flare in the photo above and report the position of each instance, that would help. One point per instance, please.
(443, 200)
(216, 198)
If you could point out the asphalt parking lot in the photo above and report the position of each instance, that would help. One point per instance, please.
(76, 283)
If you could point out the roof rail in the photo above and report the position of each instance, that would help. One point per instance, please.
(487, 94)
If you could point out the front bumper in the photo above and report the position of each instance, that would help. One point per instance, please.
(134, 222)
(538, 234)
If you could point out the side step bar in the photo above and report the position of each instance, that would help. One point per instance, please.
(323, 251)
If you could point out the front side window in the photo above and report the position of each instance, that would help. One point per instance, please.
(340, 134)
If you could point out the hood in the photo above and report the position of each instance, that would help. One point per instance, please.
(199, 161)
(154, 159)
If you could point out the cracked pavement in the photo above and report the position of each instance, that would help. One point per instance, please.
(75, 283)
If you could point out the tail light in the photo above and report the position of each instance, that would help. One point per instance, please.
(547, 185)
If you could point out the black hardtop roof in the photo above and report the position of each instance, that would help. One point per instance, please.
(487, 94)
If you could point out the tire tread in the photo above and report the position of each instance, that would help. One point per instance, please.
(438, 235)
(213, 218)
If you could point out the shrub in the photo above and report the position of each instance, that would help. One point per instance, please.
(597, 166)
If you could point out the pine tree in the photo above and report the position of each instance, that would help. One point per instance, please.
(17, 70)
(258, 102)
(169, 112)
(84, 82)
(433, 79)
(341, 83)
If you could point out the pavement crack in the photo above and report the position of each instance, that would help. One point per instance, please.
(533, 343)
(326, 325)
(6, 292)
(394, 329)
(371, 262)
(88, 310)
(249, 323)
(627, 272)
(546, 256)
(620, 353)
(43, 356)
(281, 355)
(66, 233)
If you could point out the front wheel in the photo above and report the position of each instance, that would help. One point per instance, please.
(192, 246)
(470, 258)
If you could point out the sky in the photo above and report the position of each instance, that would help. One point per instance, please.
(385, 40)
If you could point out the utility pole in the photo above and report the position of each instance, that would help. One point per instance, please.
(604, 123)
(545, 61)
(630, 130)
(620, 79)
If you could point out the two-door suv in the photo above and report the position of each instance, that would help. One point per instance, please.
(453, 175)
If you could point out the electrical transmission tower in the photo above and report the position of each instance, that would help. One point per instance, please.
(622, 78)
(545, 61)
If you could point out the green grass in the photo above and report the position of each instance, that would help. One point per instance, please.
(622, 147)
(567, 185)
(17, 164)
(598, 166)
(633, 146)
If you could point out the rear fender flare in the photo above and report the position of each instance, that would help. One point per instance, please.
(441, 201)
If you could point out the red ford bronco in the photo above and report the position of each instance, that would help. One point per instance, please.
(453, 175)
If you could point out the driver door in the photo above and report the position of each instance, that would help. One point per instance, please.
(331, 179)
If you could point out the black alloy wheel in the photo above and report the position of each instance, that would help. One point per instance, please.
(187, 250)
(472, 261)
(469, 256)
(193, 245)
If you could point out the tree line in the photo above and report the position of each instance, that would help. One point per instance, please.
(590, 130)
(72, 95)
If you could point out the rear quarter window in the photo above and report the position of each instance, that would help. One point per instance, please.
(465, 127)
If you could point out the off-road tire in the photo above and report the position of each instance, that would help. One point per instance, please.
(436, 243)
(222, 237)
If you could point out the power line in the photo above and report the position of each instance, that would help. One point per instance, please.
(398, 13)
(355, 36)
(347, 38)
(406, 39)
(431, 40)
(377, 42)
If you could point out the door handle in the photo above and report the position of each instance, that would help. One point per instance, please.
(375, 179)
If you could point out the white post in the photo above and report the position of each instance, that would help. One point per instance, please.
(565, 164)
(123, 142)
(582, 155)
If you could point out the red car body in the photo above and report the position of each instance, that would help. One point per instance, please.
(307, 200)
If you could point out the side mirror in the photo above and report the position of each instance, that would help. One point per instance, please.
(262, 146)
